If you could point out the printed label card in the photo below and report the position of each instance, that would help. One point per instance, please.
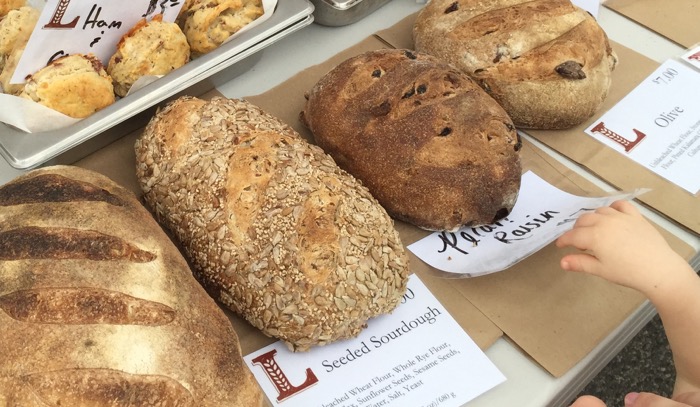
(532, 224)
(658, 125)
(693, 57)
(417, 356)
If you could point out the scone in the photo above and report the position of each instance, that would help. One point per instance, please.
(9, 69)
(432, 147)
(75, 85)
(149, 48)
(8, 5)
(15, 29)
(547, 62)
(208, 23)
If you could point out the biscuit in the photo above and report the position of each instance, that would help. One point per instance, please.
(149, 48)
(75, 85)
(209, 23)
(15, 29)
(8, 5)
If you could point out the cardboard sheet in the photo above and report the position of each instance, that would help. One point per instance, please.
(676, 20)
(555, 317)
(667, 198)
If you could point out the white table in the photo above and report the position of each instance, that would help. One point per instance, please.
(527, 384)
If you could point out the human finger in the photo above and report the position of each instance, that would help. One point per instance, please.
(579, 238)
(650, 400)
(588, 401)
(580, 262)
(624, 206)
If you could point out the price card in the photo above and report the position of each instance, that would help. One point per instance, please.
(693, 57)
(532, 224)
(71, 26)
(416, 356)
(658, 125)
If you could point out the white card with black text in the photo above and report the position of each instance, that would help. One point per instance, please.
(532, 224)
(657, 125)
(417, 356)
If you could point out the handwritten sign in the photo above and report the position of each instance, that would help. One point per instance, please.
(416, 356)
(532, 224)
(71, 26)
(658, 125)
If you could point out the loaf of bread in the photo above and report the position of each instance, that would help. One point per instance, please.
(274, 229)
(153, 47)
(547, 62)
(76, 85)
(98, 307)
(208, 23)
(15, 29)
(431, 146)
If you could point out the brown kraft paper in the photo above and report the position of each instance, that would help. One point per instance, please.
(676, 20)
(555, 317)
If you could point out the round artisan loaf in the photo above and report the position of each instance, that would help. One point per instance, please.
(99, 308)
(547, 62)
(153, 47)
(76, 85)
(274, 229)
(431, 146)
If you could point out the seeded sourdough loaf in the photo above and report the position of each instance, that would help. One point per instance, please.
(431, 146)
(275, 230)
(98, 307)
(547, 62)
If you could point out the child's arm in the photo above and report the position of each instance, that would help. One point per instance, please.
(619, 245)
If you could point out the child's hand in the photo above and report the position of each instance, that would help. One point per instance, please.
(620, 246)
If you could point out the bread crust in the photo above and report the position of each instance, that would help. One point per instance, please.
(547, 62)
(274, 229)
(98, 307)
(431, 146)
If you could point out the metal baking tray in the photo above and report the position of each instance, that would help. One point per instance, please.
(343, 12)
(28, 150)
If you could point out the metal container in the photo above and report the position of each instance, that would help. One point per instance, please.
(28, 150)
(343, 12)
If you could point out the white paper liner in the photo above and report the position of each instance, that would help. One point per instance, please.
(32, 117)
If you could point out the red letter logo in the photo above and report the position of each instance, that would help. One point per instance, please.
(58, 15)
(695, 56)
(628, 145)
(279, 379)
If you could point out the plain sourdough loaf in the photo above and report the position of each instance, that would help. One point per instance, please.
(547, 62)
(431, 146)
(275, 230)
(98, 307)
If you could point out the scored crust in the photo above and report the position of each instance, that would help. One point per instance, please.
(431, 146)
(547, 62)
(274, 229)
(98, 307)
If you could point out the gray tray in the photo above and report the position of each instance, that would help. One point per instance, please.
(343, 12)
(28, 150)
